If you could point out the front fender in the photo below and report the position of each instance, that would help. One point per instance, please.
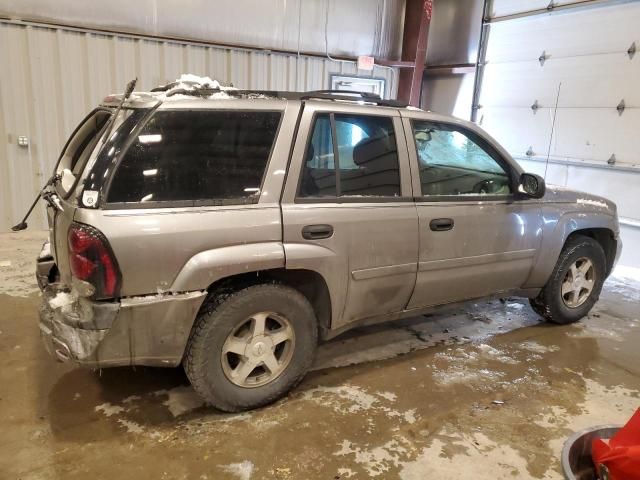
(558, 224)
(208, 266)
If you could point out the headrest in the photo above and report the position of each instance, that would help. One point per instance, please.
(369, 149)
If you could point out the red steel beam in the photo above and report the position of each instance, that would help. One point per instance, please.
(417, 19)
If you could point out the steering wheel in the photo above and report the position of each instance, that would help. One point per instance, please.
(488, 186)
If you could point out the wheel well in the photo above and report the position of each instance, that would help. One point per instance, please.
(311, 284)
(605, 238)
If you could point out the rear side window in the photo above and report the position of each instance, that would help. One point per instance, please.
(198, 157)
(367, 163)
(80, 146)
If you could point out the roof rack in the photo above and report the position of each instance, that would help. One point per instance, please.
(349, 96)
(335, 95)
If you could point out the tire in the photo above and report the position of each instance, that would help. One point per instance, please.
(555, 307)
(231, 317)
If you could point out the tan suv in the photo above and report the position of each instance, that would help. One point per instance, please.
(229, 231)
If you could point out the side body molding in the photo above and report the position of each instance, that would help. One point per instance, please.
(558, 224)
(206, 267)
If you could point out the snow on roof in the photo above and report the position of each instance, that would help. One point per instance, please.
(189, 82)
(186, 83)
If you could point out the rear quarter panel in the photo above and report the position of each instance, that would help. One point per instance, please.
(188, 248)
(154, 246)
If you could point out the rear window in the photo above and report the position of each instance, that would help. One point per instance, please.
(203, 157)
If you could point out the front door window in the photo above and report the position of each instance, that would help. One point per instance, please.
(455, 162)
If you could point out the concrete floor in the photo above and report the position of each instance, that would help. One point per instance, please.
(409, 400)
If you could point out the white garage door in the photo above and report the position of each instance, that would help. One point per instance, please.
(586, 55)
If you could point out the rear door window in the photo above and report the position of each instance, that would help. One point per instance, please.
(367, 163)
(197, 157)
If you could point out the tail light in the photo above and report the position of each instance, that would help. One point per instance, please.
(92, 260)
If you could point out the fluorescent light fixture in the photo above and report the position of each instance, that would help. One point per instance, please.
(252, 190)
(152, 138)
(150, 173)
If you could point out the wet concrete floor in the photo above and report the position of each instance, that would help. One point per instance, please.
(484, 392)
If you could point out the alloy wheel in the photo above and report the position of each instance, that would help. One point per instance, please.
(578, 283)
(258, 350)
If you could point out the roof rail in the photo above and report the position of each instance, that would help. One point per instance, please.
(350, 96)
(336, 95)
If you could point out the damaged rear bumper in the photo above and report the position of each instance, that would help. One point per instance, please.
(148, 330)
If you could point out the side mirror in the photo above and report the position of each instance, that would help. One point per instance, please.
(532, 185)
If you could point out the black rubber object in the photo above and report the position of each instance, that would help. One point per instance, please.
(219, 316)
(549, 304)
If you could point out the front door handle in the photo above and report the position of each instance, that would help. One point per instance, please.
(441, 224)
(316, 232)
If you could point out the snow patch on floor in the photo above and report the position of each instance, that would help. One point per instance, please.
(349, 399)
(242, 470)
(379, 459)
(410, 416)
(488, 460)
(353, 399)
(109, 409)
(536, 347)
(490, 352)
(345, 473)
(458, 368)
(392, 397)
(132, 427)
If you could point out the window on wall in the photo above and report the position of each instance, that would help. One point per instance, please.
(454, 161)
(367, 158)
(358, 84)
(197, 156)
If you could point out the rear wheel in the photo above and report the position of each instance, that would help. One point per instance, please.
(250, 347)
(575, 284)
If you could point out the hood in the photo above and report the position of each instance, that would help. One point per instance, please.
(586, 201)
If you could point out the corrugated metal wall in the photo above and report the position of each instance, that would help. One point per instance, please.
(354, 27)
(585, 51)
(52, 77)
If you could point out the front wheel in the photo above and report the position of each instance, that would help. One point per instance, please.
(250, 347)
(575, 284)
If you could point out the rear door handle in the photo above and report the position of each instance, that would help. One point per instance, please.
(316, 232)
(441, 224)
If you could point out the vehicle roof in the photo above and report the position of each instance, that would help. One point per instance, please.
(230, 98)
(190, 95)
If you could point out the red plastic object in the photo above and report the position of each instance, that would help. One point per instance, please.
(621, 455)
(92, 260)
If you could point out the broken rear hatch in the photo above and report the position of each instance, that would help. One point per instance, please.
(73, 171)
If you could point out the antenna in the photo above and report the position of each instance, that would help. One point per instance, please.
(553, 126)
